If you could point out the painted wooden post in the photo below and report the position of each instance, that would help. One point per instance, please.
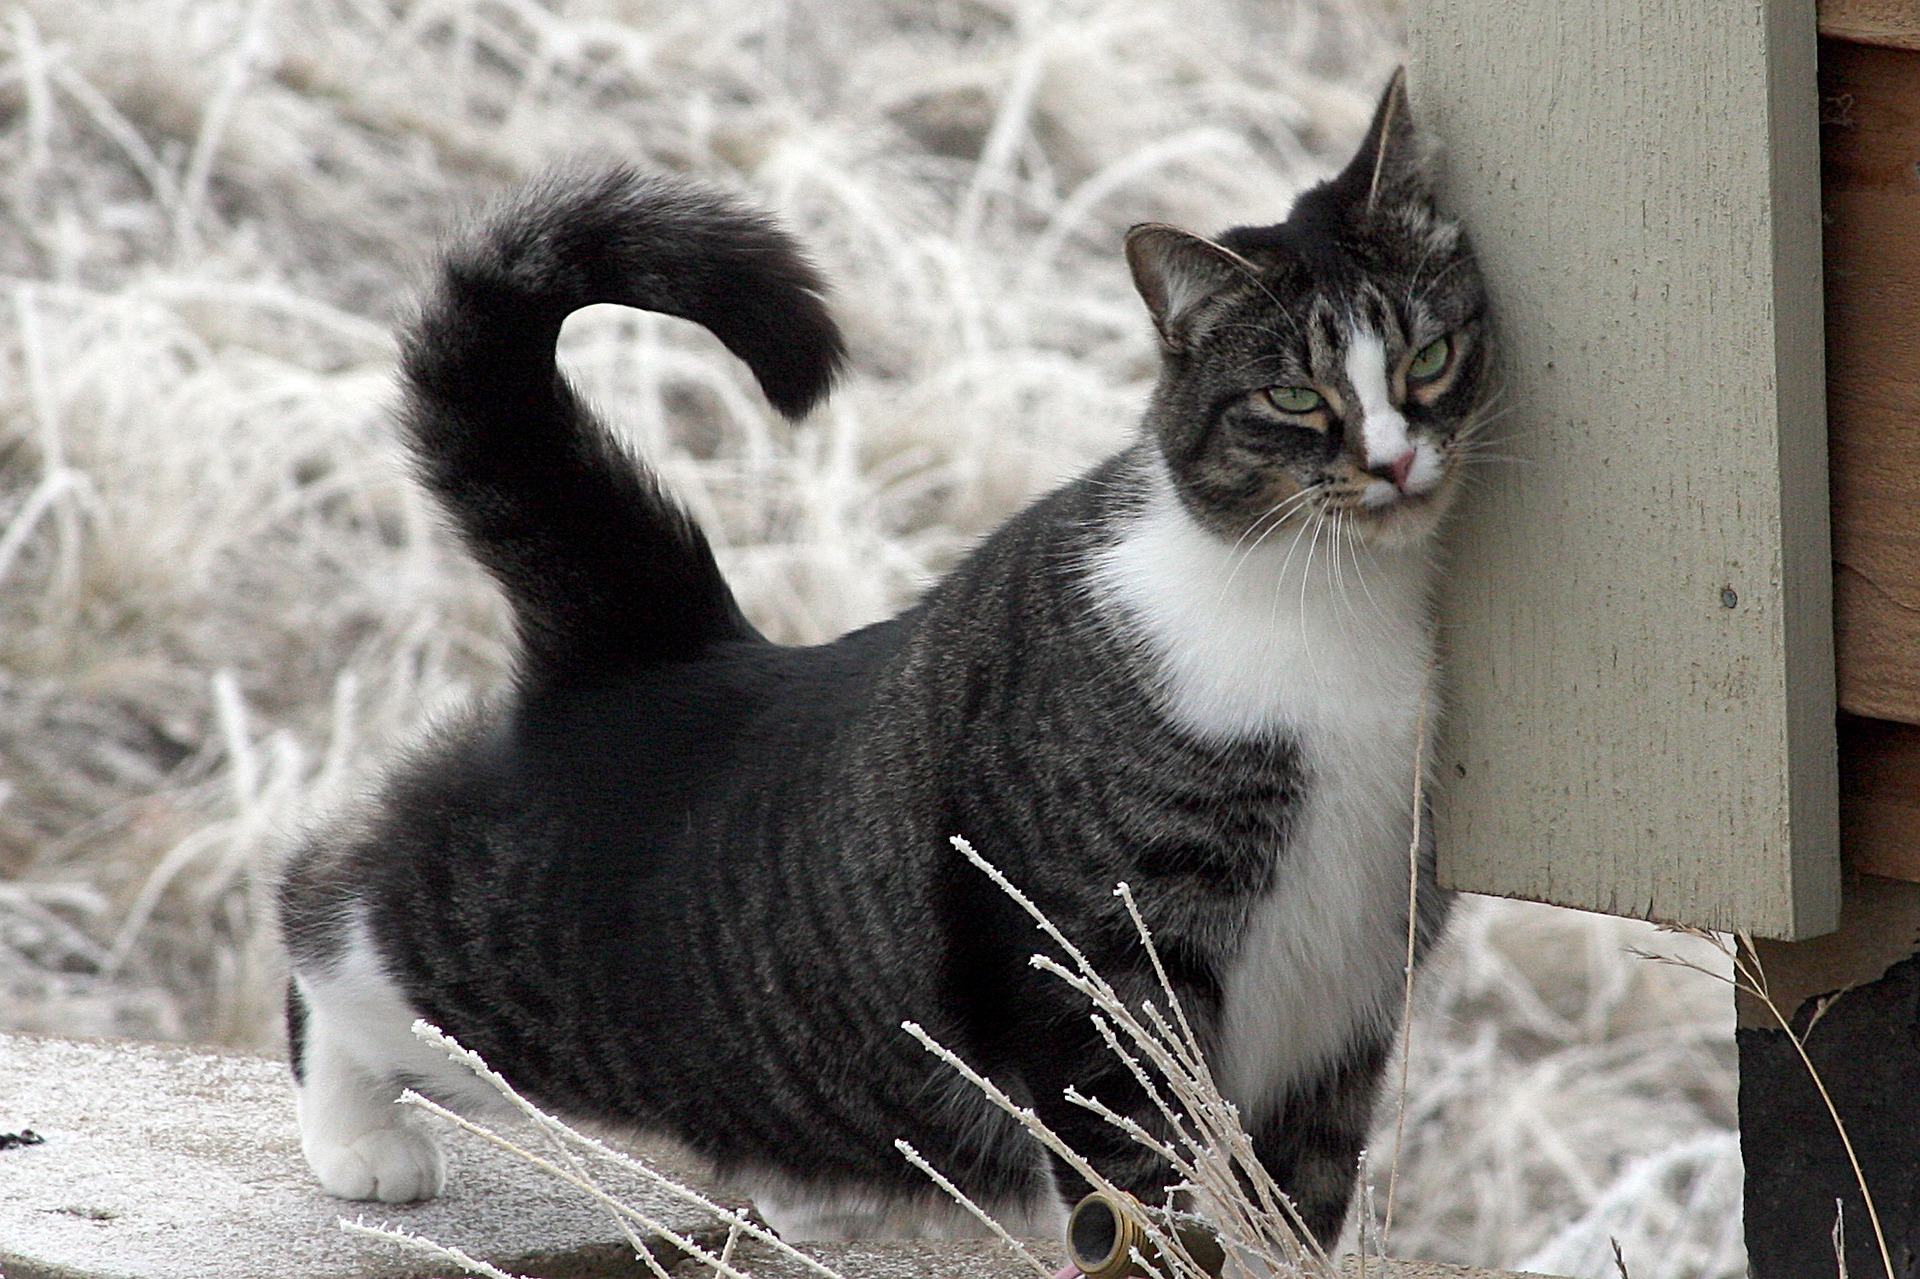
(1639, 616)
(1640, 178)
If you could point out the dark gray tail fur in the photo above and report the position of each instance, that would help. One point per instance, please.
(603, 570)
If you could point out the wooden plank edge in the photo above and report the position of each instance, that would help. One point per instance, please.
(1812, 785)
(1894, 24)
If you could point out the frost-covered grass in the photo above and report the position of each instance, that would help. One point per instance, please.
(218, 596)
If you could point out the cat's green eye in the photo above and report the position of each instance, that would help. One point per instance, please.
(1294, 399)
(1430, 359)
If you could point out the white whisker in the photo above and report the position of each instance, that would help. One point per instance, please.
(1306, 577)
(1278, 514)
(1360, 547)
(1336, 541)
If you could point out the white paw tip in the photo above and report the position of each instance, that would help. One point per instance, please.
(391, 1165)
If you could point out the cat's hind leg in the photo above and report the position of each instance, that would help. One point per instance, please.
(354, 1052)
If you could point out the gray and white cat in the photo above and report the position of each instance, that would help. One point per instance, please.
(683, 879)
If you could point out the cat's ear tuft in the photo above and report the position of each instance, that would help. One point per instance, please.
(1175, 271)
(1395, 162)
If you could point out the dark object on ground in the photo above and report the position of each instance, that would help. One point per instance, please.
(25, 1137)
(1867, 1050)
(1107, 1239)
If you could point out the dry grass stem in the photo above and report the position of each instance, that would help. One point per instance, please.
(1413, 937)
(576, 1176)
(623, 1214)
(980, 1214)
(418, 1243)
(1208, 1151)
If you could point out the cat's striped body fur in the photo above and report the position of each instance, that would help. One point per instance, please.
(688, 880)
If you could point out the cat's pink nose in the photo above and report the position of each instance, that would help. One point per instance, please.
(1396, 470)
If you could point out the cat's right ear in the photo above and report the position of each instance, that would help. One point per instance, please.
(1175, 271)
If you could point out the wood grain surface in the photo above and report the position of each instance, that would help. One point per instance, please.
(1894, 24)
(1639, 613)
(1870, 165)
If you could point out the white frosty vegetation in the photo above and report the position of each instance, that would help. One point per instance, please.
(1208, 1152)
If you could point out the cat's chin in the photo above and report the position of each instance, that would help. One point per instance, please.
(1408, 523)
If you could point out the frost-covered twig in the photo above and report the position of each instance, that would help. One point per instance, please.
(419, 1243)
(738, 1224)
(966, 1201)
(1205, 1146)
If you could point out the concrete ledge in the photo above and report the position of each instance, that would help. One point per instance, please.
(171, 1163)
(165, 1162)
(985, 1259)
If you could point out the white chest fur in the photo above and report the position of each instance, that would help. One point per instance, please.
(1332, 647)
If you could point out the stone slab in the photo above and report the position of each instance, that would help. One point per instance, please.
(891, 1259)
(1377, 1269)
(162, 1162)
(173, 1163)
(988, 1259)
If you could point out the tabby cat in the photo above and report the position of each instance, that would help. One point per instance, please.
(683, 879)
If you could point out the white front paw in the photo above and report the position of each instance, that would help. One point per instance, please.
(393, 1165)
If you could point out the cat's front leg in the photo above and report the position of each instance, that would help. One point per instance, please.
(1311, 1144)
(1119, 1158)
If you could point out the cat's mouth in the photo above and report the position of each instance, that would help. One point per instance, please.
(1401, 517)
(1369, 499)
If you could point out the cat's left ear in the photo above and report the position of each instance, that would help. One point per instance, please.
(1395, 162)
(1176, 271)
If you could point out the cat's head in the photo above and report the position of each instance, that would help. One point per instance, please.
(1332, 365)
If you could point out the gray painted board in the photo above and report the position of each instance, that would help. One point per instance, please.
(1639, 615)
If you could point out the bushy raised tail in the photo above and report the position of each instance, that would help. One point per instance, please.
(604, 571)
